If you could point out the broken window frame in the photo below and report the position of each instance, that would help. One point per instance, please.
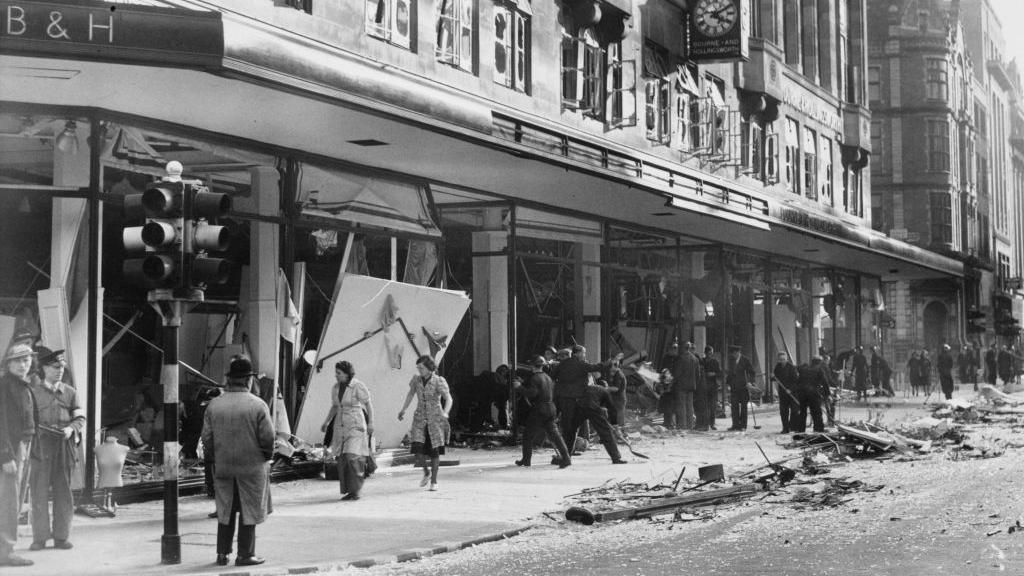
(455, 22)
(582, 73)
(620, 96)
(771, 155)
(515, 44)
(381, 21)
(827, 162)
(810, 163)
(792, 157)
(752, 147)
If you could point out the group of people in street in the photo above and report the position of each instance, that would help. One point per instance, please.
(803, 391)
(1000, 365)
(41, 427)
(688, 388)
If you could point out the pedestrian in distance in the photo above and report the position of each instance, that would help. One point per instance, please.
(914, 371)
(17, 428)
(60, 420)
(786, 376)
(991, 369)
(239, 431)
(945, 365)
(925, 372)
(881, 373)
(540, 420)
(712, 374)
(430, 429)
(666, 386)
(740, 376)
(860, 373)
(1004, 363)
(352, 413)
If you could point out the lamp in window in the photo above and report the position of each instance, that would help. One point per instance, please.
(67, 140)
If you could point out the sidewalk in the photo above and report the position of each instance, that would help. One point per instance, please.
(311, 529)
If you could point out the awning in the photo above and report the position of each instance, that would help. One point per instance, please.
(365, 201)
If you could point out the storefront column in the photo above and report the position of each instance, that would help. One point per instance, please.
(590, 294)
(490, 293)
(263, 325)
(65, 324)
(768, 299)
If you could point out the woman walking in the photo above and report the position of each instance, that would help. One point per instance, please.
(430, 429)
(352, 411)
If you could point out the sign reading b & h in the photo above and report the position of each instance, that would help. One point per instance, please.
(718, 30)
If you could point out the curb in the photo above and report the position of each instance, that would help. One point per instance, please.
(401, 556)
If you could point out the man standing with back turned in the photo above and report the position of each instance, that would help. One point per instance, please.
(238, 430)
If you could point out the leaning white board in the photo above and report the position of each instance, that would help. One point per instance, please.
(358, 310)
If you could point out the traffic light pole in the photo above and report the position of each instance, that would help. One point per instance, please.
(170, 312)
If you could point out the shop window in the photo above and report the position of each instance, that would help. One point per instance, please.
(792, 156)
(827, 171)
(511, 46)
(938, 145)
(936, 79)
(455, 33)
(657, 94)
(391, 21)
(810, 163)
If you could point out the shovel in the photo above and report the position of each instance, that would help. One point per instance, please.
(622, 437)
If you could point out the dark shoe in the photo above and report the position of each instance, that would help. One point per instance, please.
(784, 431)
(350, 497)
(556, 460)
(249, 561)
(37, 545)
(63, 544)
(565, 463)
(13, 560)
(619, 461)
(222, 559)
(212, 515)
(522, 463)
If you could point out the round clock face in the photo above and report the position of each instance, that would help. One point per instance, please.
(715, 17)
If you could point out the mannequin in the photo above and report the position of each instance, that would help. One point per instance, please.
(110, 457)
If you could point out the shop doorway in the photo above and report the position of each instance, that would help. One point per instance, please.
(936, 317)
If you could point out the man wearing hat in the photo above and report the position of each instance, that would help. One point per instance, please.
(541, 418)
(60, 420)
(17, 427)
(741, 374)
(239, 432)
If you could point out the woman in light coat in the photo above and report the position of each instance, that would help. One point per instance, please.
(430, 429)
(352, 412)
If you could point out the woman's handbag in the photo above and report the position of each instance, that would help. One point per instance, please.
(371, 463)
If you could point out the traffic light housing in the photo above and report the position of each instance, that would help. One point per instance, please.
(177, 251)
(975, 321)
(157, 244)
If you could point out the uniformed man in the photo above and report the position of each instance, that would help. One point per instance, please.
(541, 418)
(811, 388)
(60, 421)
(712, 373)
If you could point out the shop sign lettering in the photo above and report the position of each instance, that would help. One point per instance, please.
(799, 99)
(121, 31)
(77, 25)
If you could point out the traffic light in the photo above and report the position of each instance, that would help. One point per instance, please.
(158, 242)
(975, 321)
(204, 238)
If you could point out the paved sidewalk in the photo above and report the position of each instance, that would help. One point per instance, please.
(311, 529)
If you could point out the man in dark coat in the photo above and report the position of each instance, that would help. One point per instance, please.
(741, 375)
(17, 428)
(811, 389)
(593, 408)
(786, 376)
(712, 378)
(946, 371)
(990, 365)
(61, 421)
(967, 363)
(860, 373)
(239, 431)
(1004, 362)
(571, 378)
(924, 370)
(880, 373)
(686, 376)
(541, 418)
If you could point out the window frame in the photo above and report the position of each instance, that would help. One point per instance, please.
(384, 24)
(938, 141)
(460, 30)
(516, 44)
(936, 79)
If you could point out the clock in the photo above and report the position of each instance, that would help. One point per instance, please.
(714, 18)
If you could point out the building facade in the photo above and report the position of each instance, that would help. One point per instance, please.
(569, 166)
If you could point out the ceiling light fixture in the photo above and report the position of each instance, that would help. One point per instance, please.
(67, 140)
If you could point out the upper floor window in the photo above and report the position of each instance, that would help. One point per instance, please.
(792, 156)
(512, 45)
(936, 79)
(874, 83)
(827, 171)
(596, 79)
(686, 99)
(938, 145)
(455, 33)
(657, 94)
(941, 213)
(810, 163)
(390, 20)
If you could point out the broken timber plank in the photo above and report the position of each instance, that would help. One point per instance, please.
(662, 505)
(869, 437)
